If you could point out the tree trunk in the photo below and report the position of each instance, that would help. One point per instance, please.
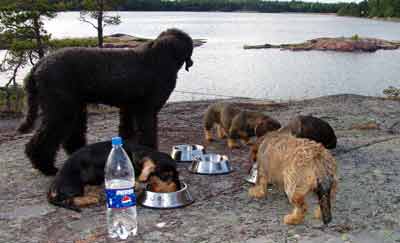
(38, 37)
(100, 31)
(100, 24)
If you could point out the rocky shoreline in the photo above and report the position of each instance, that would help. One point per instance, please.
(110, 41)
(342, 44)
(368, 201)
(128, 41)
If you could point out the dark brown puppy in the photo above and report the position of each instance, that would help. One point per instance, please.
(233, 123)
(309, 127)
(248, 124)
(136, 80)
(86, 167)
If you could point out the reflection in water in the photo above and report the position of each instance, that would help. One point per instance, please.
(223, 67)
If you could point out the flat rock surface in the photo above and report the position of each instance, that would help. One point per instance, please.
(368, 201)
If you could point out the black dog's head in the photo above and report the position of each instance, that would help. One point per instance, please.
(159, 171)
(180, 43)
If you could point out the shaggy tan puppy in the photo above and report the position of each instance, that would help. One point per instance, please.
(299, 167)
(233, 123)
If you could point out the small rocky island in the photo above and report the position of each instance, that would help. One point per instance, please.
(341, 44)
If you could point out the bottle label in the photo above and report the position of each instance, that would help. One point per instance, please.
(120, 198)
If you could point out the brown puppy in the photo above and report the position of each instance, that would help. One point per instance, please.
(219, 115)
(248, 124)
(309, 127)
(236, 124)
(299, 166)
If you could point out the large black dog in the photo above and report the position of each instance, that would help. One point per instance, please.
(138, 81)
(86, 167)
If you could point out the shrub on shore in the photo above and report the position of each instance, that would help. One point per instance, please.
(392, 92)
(12, 99)
(73, 42)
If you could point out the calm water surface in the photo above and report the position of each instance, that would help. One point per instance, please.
(223, 67)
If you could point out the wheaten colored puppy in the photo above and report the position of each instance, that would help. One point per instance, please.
(299, 167)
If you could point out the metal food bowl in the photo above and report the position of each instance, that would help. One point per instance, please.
(165, 200)
(252, 176)
(211, 164)
(186, 152)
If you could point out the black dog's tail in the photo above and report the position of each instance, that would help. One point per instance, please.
(32, 102)
(323, 190)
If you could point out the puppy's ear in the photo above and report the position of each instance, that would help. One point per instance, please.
(265, 125)
(148, 167)
(261, 127)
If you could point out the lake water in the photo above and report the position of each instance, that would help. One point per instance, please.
(223, 67)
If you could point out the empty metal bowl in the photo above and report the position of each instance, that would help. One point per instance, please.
(166, 200)
(186, 152)
(210, 164)
(252, 176)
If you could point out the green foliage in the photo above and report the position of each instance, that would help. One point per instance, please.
(73, 42)
(372, 8)
(203, 5)
(355, 37)
(392, 92)
(23, 34)
(12, 99)
(351, 9)
(229, 5)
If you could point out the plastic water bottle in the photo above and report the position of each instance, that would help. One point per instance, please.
(120, 193)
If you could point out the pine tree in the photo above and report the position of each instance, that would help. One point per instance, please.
(22, 28)
(96, 10)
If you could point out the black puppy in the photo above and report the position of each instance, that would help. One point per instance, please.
(312, 128)
(86, 167)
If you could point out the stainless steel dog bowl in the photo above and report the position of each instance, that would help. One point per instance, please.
(210, 164)
(159, 200)
(186, 152)
(252, 176)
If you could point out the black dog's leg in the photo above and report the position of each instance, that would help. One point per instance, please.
(77, 138)
(43, 146)
(148, 124)
(127, 124)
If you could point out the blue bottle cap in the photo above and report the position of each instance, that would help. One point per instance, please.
(116, 141)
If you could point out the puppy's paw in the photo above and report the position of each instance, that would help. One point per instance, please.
(85, 201)
(257, 192)
(246, 141)
(317, 213)
(293, 219)
(221, 136)
(208, 136)
(232, 144)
